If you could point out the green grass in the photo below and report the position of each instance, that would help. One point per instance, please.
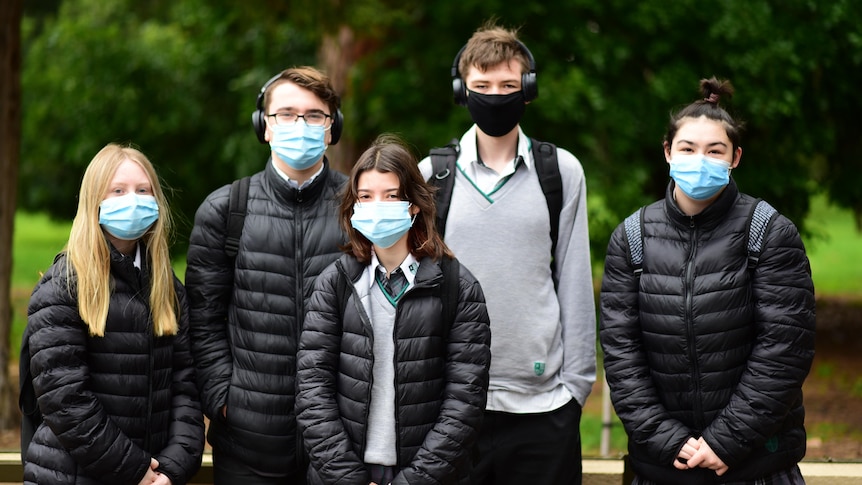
(835, 250)
(35, 242)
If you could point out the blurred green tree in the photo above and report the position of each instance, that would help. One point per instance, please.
(179, 79)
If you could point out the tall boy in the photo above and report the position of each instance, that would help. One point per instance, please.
(540, 300)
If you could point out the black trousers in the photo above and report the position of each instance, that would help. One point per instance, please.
(227, 470)
(530, 448)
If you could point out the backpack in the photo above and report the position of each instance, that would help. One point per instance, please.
(547, 168)
(236, 214)
(758, 224)
(451, 270)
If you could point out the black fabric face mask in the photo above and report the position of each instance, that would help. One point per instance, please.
(496, 114)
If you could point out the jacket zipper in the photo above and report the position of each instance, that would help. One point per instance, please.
(689, 324)
(300, 310)
(150, 345)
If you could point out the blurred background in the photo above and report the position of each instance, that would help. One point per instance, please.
(179, 79)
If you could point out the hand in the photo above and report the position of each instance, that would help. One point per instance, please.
(224, 411)
(162, 479)
(688, 450)
(151, 476)
(706, 458)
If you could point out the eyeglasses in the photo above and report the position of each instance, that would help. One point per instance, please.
(315, 118)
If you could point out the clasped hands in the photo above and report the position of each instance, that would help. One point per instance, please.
(697, 453)
(153, 477)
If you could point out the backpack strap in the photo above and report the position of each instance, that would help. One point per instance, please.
(443, 177)
(758, 224)
(236, 215)
(634, 234)
(548, 170)
(451, 282)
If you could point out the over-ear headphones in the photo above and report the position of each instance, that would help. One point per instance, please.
(528, 79)
(258, 117)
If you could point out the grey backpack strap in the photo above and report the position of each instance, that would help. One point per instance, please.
(758, 225)
(633, 225)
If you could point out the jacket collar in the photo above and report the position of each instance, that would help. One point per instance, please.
(710, 216)
(429, 273)
(278, 189)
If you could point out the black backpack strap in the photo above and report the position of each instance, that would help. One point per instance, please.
(449, 291)
(758, 225)
(236, 215)
(443, 177)
(548, 171)
(634, 234)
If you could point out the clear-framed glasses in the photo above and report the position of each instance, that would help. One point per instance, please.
(312, 118)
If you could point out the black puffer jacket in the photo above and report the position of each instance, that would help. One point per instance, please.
(110, 403)
(244, 313)
(441, 387)
(702, 346)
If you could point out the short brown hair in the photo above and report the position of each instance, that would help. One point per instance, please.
(311, 79)
(491, 45)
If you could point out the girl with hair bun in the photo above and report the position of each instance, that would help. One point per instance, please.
(707, 341)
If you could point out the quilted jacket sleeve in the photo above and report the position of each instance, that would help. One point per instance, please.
(625, 361)
(327, 442)
(448, 445)
(181, 458)
(783, 294)
(209, 282)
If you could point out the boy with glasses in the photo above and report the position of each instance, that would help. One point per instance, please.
(247, 310)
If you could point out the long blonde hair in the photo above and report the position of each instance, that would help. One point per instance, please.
(89, 255)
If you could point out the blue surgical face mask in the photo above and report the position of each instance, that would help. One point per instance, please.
(129, 216)
(383, 223)
(699, 177)
(298, 145)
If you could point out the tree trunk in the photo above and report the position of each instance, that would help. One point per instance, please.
(336, 56)
(10, 143)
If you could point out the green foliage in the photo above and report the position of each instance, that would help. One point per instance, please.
(176, 79)
(179, 79)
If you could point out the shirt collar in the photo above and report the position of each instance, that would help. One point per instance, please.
(409, 267)
(137, 256)
(469, 155)
(291, 182)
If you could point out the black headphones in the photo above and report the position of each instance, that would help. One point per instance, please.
(528, 79)
(258, 118)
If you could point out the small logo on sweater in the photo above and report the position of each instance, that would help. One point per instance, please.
(539, 368)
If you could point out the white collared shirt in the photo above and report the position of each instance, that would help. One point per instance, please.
(409, 266)
(294, 183)
(483, 177)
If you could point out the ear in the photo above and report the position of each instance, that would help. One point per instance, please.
(267, 132)
(737, 156)
(414, 209)
(666, 146)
